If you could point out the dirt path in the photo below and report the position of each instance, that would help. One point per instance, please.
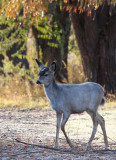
(37, 126)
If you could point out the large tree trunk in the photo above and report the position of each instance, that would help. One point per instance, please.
(96, 37)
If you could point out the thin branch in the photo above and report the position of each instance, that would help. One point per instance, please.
(23, 153)
(45, 146)
(108, 151)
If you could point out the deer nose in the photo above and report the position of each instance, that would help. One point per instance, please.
(38, 82)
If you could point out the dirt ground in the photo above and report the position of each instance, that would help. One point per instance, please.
(37, 127)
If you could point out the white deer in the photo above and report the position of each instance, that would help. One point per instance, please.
(67, 99)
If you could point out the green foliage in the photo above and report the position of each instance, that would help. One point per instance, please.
(50, 31)
(10, 69)
(12, 34)
(73, 47)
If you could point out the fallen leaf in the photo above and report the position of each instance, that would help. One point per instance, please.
(9, 144)
(32, 155)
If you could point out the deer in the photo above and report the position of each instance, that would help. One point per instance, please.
(67, 99)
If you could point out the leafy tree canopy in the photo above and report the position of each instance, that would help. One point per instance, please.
(27, 8)
(37, 8)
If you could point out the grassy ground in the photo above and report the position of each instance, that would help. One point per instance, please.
(21, 93)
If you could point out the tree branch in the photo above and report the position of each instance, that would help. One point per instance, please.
(45, 146)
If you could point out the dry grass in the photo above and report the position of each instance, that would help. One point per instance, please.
(18, 93)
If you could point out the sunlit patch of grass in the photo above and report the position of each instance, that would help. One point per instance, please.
(111, 101)
(21, 93)
(23, 104)
(111, 105)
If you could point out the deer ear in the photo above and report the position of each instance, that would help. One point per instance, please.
(39, 64)
(53, 66)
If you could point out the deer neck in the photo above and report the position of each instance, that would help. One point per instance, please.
(51, 91)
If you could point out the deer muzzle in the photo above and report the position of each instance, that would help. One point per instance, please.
(38, 82)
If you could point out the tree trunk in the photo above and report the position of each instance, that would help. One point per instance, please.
(50, 54)
(96, 38)
(31, 47)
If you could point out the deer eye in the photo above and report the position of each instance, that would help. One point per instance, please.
(45, 75)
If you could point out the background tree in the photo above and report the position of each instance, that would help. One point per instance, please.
(95, 29)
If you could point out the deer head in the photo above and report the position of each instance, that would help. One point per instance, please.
(46, 74)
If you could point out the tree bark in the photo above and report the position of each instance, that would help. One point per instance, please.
(31, 46)
(96, 38)
(50, 54)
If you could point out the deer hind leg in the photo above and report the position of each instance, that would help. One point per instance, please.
(95, 125)
(65, 119)
(59, 116)
(101, 121)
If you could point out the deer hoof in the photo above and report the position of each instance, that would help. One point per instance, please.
(88, 147)
(56, 145)
(106, 147)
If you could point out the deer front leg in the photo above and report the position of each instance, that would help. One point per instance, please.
(65, 118)
(58, 115)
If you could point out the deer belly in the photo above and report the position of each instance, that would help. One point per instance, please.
(77, 107)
